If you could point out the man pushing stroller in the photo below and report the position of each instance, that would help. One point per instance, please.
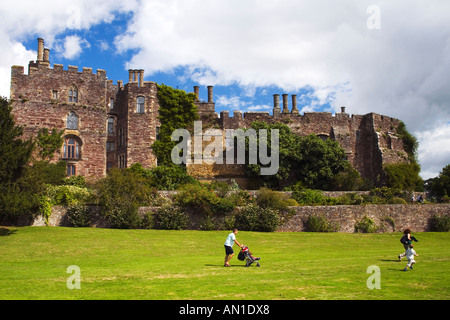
(244, 254)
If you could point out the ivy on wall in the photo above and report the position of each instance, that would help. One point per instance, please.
(176, 111)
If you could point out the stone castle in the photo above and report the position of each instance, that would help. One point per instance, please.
(109, 125)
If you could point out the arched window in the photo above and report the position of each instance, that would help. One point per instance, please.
(72, 121)
(71, 148)
(140, 105)
(73, 94)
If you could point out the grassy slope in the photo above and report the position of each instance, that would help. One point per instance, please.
(152, 264)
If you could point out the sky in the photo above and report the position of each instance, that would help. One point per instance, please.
(387, 57)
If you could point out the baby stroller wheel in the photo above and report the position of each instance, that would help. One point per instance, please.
(258, 265)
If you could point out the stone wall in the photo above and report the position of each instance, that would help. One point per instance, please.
(393, 218)
(413, 216)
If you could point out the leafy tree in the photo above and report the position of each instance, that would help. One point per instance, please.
(440, 185)
(404, 176)
(176, 111)
(309, 160)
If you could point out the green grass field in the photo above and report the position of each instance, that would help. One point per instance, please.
(169, 265)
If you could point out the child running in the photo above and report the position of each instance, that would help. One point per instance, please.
(410, 254)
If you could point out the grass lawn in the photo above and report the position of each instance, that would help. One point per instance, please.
(168, 265)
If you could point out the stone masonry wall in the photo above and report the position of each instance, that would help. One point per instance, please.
(413, 216)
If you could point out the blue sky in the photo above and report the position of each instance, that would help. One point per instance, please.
(387, 57)
(96, 48)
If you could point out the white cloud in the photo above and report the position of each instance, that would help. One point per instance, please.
(233, 103)
(72, 47)
(22, 21)
(434, 150)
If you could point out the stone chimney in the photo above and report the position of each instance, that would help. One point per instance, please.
(141, 78)
(276, 105)
(130, 76)
(40, 54)
(197, 92)
(47, 55)
(285, 104)
(210, 94)
(294, 104)
(343, 109)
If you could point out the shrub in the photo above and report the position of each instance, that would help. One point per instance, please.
(319, 223)
(366, 225)
(120, 195)
(397, 200)
(79, 216)
(385, 192)
(272, 199)
(124, 217)
(241, 198)
(255, 218)
(203, 199)
(68, 194)
(309, 197)
(170, 218)
(439, 223)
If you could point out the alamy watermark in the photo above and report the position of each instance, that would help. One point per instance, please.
(213, 153)
(374, 281)
(373, 22)
(74, 281)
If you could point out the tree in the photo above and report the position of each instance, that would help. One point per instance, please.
(440, 185)
(16, 193)
(176, 111)
(15, 153)
(49, 142)
(404, 176)
(307, 160)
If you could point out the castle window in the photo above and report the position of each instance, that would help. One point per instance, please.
(158, 131)
(111, 104)
(122, 161)
(110, 146)
(72, 121)
(140, 105)
(55, 94)
(71, 169)
(71, 149)
(73, 94)
(110, 125)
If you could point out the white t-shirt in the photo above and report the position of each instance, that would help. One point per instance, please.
(230, 239)
(410, 254)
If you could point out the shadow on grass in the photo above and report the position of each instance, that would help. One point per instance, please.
(6, 232)
(389, 260)
(221, 265)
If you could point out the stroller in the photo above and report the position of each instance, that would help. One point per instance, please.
(246, 255)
